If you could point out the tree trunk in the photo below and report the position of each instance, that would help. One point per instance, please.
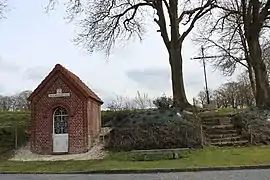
(251, 79)
(179, 95)
(262, 86)
(176, 61)
(261, 77)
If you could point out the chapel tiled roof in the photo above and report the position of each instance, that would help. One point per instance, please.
(73, 78)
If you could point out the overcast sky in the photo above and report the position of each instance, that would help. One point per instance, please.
(32, 42)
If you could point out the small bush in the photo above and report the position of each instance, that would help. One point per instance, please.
(112, 118)
(143, 117)
(10, 124)
(163, 102)
(254, 124)
(154, 136)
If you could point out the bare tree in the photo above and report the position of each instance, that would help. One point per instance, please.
(240, 24)
(266, 54)
(15, 102)
(3, 6)
(143, 101)
(245, 91)
(111, 22)
(1, 103)
(6, 103)
(121, 103)
(218, 99)
(22, 102)
(202, 97)
(230, 44)
(126, 103)
(231, 94)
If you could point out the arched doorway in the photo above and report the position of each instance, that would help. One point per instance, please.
(60, 130)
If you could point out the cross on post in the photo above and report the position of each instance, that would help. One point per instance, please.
(204, 70)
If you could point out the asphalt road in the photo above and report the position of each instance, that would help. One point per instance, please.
(217, 175)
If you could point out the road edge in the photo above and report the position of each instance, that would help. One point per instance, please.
(153, 171)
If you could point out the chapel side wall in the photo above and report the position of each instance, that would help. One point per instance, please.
(42, 119)
(93, 121)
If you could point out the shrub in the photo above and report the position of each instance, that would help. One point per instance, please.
(254, 124)
(154, 136)
(143, 117)
(12, 123)
(163, 102)
(112, 118)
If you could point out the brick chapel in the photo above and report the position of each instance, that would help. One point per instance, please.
(65, 114)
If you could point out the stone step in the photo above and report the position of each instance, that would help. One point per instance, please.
(211, 123)
(216, 136)
(214, 114)
(231, 143)
(226, 120)
(226, 139)
(215, 118)
(220, 131)
(227, 126)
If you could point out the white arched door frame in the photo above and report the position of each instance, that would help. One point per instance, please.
(60, 130)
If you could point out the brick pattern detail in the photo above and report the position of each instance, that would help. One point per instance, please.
(82, 118)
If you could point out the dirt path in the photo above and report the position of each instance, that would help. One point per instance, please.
(24, 154)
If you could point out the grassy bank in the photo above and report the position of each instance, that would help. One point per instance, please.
(12, 124)
(8, 118)
(209, 157)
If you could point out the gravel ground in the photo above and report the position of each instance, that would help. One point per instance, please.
(218, 175)
(24, 154)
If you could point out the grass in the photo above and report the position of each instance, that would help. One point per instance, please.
(209, 157)
(198, 158)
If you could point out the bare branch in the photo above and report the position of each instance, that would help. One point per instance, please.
(201, 11)
(227, 9)
(111, 20)
(162, 24)
(264, 14)
(3, 6)
(168, 8)
(189, 13)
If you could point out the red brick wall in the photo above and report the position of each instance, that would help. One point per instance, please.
(42, 108)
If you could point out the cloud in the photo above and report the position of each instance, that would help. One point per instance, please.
(2, 88)
(37, 74)
(8, 67)
(192, 82)
(102, 93)
(152, 78)
(159, 80)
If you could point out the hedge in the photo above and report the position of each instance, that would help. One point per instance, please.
(154, 136)
(254, 124)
